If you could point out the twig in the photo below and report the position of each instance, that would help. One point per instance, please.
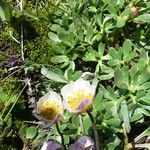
(10, 33)
(21, 42)
(11, 74)
(141, 135)
(145, 145)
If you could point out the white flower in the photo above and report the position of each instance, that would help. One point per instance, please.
(51, 145)
(50, 107)
(78, 96)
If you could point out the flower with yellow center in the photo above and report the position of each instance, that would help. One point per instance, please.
(78, 96)
(50, 107)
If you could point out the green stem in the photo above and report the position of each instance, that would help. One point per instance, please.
(126, 143)
(81, 124)
(14, 103)
(97, 144)
(61, 135)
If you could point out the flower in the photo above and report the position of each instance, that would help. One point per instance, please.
(83, 143)
(51, 145)
(50, 107)
(78, 96)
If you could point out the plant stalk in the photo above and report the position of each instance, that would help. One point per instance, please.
(81, 124)
(97, 144)
(22, 42)
(61, 135)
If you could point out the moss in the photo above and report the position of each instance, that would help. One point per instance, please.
(10, 85)
(36, 48)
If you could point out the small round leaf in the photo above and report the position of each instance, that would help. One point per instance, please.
(31, 132)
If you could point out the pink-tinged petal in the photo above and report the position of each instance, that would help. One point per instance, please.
(83, 143)
(51, 145)
(84, 105)
(78, 95)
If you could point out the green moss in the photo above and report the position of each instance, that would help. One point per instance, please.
(37, 49)
(11, 84)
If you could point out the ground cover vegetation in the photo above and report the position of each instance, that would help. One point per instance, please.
(74, 71)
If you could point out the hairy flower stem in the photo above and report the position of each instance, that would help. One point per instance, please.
(61, 135)
(97, 144)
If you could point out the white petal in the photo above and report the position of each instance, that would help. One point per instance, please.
(67, 90)
(67, 106)
(44, 147)
(85, 86)
(50, 96)
(53, 98)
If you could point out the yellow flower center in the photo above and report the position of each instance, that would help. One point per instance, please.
(78, 97)
(49, 110)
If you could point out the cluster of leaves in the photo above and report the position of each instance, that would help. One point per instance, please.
(110, 39)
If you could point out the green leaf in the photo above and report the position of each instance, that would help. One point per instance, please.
(144, 111)
(57, 28)
(115, 122)
(136, 117)
(53, 37)
(68, 39)
(63, 127)
(111, 10)
(145, 86)
(30, 15)
(141, 65)
(113, 142)
(77, 75)
(22, 132)
(127, 47)
(92, 9)
(89, 33)
(60, 59)
(90, 54)
(3, 57)
(106, 76)
(145, 18)
(87, 123)
(146, 98)
(59, 48)
(66, 139)
(125, 115)
(125, 14)
(5, 11)
(75, 121)
(143, 77)
(112, 93)
(120, 22)
(121, 78)
(115, 54)
(53, 76)
(97, 106)
(106, 73)
(68, 73)
(31, 132)
(101, 48)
